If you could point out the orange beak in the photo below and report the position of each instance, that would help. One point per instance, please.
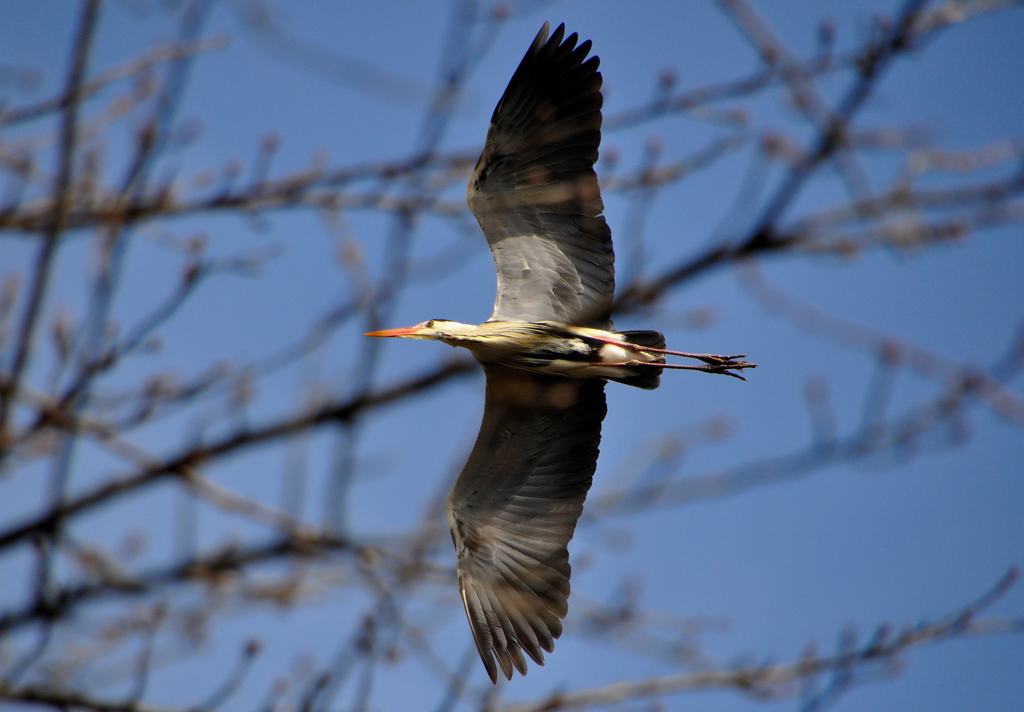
(404, 331)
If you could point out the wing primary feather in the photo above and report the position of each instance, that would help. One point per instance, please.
(525, 631)
(477, 625)
(500, 624)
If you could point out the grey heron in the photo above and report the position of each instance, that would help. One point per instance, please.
(547, 350)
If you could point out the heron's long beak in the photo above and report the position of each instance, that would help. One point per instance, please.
(404, 331)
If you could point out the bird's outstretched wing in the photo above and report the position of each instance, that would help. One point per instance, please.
(515, 506)
(535, 194)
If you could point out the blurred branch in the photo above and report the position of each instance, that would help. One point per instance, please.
(773, 679)
(66, 699)
(131, 68)
(209, 568)
(227, 688)
(973, 380)
(97, 394)
(272, 37)
(898, 436)
(55, 221)
(330, 413)
(801, 89)
(763, 236)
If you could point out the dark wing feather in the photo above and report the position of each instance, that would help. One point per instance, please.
(535, 194)
(515, 506)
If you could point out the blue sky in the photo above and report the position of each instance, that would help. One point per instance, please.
(895, 540)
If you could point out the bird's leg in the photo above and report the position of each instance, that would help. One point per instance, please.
(713, 359)
(717, 362)
(723, 368)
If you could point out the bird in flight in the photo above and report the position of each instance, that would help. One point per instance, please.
(546, 351)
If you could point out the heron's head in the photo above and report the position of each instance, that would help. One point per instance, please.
(437, 329)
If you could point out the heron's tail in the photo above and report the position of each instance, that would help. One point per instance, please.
(646, 377)
(654, 339)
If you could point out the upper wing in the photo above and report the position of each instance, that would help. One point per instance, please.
(535, 194)
(514, 508)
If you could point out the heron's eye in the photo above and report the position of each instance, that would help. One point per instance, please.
(430, 324)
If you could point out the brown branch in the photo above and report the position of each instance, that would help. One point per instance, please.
(47, 696)
(305, 190)
(763, 238)
(769, 679)
(330, 413)
(206, 568)
(1000, 399)
(802, 90)
(61, 410)
(897, 435)
(691, 100)
(133, 67)
(55, 221)
(989, 193)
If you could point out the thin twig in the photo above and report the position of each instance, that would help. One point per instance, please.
(42, 269)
